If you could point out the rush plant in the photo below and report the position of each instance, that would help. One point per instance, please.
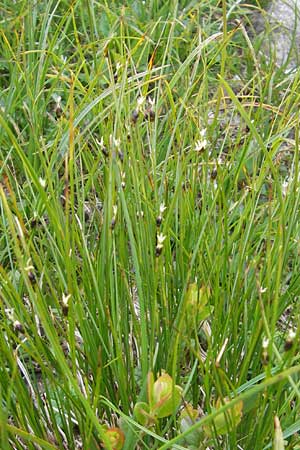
(149, 229)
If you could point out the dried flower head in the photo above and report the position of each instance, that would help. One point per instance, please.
(159, 221)
(134, 115)
(18, 327)
(289, 340)
(31, 277)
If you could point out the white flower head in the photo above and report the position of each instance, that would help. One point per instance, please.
(262, 290)
(265, 343)
(123, 176)
(220, 160)
(117, 142)
(200, 145)
(162, 208)
(285, 188)
(159, 244)
(57, 99)
(291, 335)
(101, 142)
(160, 239)
(10, 313)
(140, 101)
(151, 101)
(42, 182)
(65, 299)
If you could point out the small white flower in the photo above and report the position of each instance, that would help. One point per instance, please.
(101, 143)
(140, 101)
(42, 182)
(140, 214)
(159, 244)
(151, 101)
(291, 335)
(160, 239)
(10, 312)
(162, 208)
(200, 145)
(115, 210)
(65, 299)
(284, 188)
(265, 343)
(203, 133)
(117, 142)
(123, 175)
(220, 160)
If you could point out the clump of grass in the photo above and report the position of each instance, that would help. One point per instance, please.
(149, 229)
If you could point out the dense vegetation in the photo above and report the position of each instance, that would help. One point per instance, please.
(149, 217)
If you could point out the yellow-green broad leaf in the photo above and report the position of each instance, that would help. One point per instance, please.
(141, 413)
(116, 438)
(197, 302)
(225, 421)
(187, 418)
(166, 396)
